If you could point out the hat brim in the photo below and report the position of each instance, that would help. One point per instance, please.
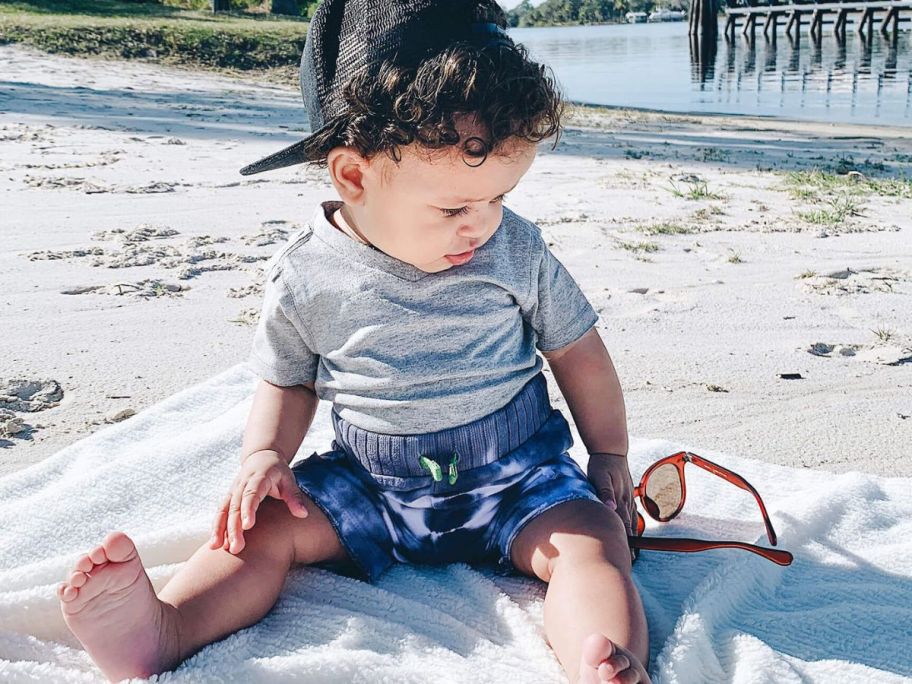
(291, 155)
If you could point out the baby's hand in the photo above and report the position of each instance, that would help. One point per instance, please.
(262, 474)
(610, 475)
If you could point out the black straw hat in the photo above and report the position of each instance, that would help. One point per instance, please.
(347, 37)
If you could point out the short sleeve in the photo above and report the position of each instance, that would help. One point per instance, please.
(279, 353)
(556, 309)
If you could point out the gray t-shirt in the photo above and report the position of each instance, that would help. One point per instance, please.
(401, 351)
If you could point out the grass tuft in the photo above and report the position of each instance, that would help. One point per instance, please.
(884, 334)
(697, 189)
(638, 247)
(836, 211)
(667, 228)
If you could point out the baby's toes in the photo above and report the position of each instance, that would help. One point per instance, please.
(98, 555)
(77, 579)
(85, 563)
(65, 592)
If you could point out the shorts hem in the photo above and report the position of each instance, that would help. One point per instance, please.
(505, 562)
(367, 572)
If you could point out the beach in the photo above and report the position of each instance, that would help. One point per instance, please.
(753, 276)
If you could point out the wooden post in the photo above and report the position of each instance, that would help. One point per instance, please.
(890, 16)
(840, 25)
(866, 16)
(730, 28)
(709, 20)
(794, 20)
(771, 20)
(220, 5)
(750, 25)
(703, 19)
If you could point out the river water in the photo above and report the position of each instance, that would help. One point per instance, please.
(653, 66)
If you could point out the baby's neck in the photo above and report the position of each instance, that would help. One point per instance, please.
(337, 219)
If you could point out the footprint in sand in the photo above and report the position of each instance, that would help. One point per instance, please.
(884, 354)
(141, 233)
(220, 261)
(137, 253)
(254, 289)
(849, 281)
(48, 255)
(93, 187)
(23, 133)
(201, 240)
(271, 232)
(140, 249)
(66, 183)
(20, 394)
(151, 188)
(11, 424)
(28, 396)
(104, 159)
(144, 289)
(246, 317)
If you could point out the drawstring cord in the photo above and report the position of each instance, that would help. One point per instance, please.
(437, 472)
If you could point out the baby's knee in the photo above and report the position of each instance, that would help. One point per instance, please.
(307, 540)
(599, 539)
(271, 531)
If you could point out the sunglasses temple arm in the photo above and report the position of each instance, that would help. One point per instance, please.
(738, 481)
(691, 545)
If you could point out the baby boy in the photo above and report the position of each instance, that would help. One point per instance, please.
(415, 304)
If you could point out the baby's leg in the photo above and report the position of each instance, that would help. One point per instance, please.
(593, 613)
(109, 603)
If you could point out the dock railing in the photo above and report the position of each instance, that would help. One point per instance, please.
(862, 15)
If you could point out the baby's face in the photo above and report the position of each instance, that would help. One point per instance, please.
(421, 210)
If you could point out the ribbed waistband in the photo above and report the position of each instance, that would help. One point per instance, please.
(478, 443)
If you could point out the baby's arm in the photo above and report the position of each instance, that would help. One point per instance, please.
(278, 420)
(587, 379)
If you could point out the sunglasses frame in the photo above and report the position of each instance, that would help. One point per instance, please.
(679, 460)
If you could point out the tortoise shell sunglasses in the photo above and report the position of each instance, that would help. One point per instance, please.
(662, 492)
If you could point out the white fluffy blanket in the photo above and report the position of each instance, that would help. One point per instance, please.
(841, 612)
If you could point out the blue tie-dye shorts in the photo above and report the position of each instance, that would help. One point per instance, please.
(405, 498)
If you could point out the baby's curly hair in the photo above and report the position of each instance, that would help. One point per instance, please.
(511, 98)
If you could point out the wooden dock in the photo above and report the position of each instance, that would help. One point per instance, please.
(817, 12)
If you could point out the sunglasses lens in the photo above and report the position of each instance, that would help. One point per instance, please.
(664, 491)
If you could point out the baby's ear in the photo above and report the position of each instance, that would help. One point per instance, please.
(347, 169)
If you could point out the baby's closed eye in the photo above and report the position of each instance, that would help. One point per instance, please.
(464, 210)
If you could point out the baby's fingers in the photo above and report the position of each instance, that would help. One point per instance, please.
(291, 493)
(255, 491)
(624, 510)
(218, 528)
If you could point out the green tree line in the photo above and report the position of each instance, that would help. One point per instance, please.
(558, 12)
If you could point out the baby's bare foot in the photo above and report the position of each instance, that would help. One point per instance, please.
(603, 661)
(110, 605)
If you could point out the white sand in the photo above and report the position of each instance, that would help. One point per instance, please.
(135, 167)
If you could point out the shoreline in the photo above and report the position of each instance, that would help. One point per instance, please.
(287, 77)
(719, 273)
(759, 121)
